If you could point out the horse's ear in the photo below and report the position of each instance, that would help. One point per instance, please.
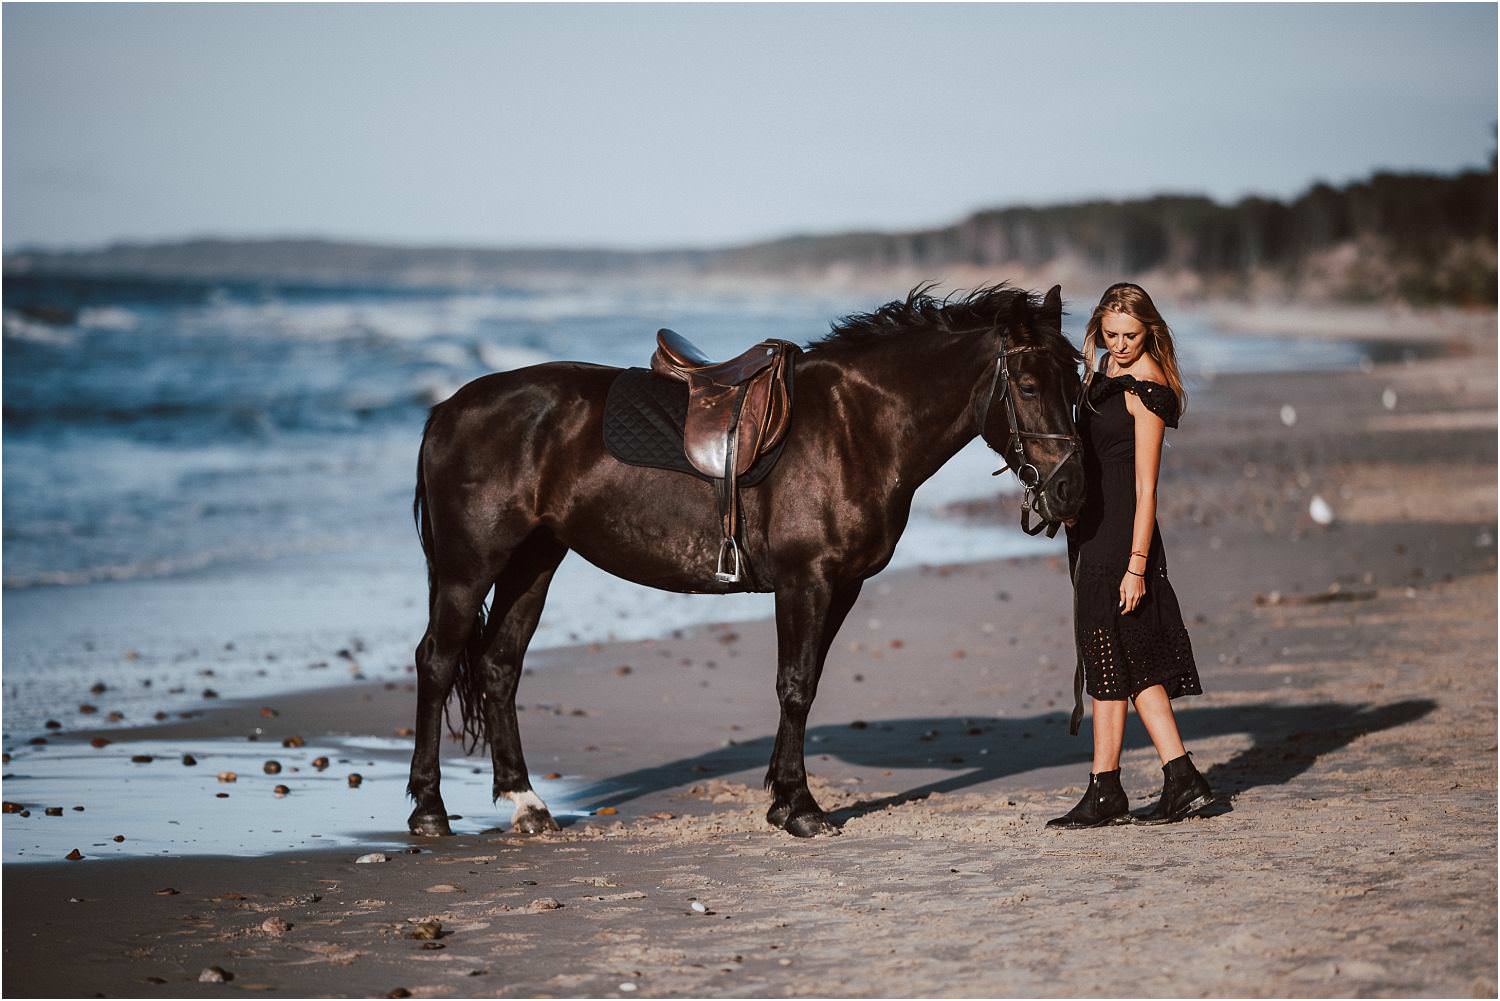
(1052, 306)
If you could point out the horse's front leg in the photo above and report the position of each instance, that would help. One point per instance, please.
(807, 619)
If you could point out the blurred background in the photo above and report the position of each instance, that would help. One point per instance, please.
(247, 246)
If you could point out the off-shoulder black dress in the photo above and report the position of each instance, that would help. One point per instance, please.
(1121, 654)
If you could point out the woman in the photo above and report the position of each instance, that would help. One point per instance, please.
(1130, 637)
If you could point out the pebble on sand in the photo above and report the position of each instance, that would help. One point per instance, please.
(373, 857)
(426, 930)
(100, 742)
(292, 741)
(700, 907)
(544, 904)
(275, 927)
(607, 811)
(74, 855)
(272, 767)
(11, 807)
(228, 777)
(168, 891)
(320, 763)
(189, 760)
(1319, 510)
(280, 791)
(215, 975)
(355, 779)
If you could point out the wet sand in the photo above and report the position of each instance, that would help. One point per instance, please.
(1349, 722)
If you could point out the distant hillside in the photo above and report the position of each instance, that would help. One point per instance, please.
(1416, 237)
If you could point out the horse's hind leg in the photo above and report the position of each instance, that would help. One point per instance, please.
(520, 594)
(454, 617)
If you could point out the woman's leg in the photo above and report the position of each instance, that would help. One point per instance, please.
(1155, 710)
(1109, 733)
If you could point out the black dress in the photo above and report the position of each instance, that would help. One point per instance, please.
(1120, 655)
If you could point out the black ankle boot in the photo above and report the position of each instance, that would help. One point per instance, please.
(1183, 792)
(1104, 802)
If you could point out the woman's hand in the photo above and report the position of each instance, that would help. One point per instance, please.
(1132, 591)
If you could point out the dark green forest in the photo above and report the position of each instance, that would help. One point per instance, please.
(1420, 238)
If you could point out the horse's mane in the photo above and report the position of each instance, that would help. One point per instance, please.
(921, 312)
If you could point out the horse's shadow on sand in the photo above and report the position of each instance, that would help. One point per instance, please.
(1286, 741)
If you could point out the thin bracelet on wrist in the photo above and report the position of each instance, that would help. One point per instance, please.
(1128, 570)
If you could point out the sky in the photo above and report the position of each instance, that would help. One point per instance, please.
(668, 125)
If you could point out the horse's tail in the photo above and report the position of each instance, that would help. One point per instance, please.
(468, 675)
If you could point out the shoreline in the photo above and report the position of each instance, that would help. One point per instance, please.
(1343, 665)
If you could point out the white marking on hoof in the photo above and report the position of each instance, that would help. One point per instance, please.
(528, 806)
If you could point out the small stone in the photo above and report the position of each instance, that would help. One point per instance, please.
(53, 724)
(275, 927)
(443, 888)
(1319, 510)
(189, 760)
(398, 992)
(280, 791)
(209, 693)
(544, 904)
(215, 975)
(320, 763)
(118, 838)
(268, 712)
(11, 807)
(54, 811)
(87, 709)
(404, 731)
(700, 907)
(100, 742)
(622, 670)
(664, 816)
(628, 986)
(1288, 414)
(607, 811)
(142, 759)
(552, 775)
(168, 891)
(271, 767)
(355, 779)
(427, 930)
(293, 741)
(74, 855)
(98, 687)
(373, 857)
(228, 777)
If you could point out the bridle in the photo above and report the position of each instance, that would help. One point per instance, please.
(1034, 487)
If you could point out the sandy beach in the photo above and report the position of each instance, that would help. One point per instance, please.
(1348, 722)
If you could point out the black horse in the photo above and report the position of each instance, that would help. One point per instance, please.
(513, 473)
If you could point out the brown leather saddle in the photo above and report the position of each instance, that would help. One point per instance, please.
(737, 410)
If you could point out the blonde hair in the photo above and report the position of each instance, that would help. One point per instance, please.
(1132, 300)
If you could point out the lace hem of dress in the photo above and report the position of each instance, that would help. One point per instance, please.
(1154, 658)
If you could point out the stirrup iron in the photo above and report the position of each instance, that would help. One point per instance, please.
(731, 576)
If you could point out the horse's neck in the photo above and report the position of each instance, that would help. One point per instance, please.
(925, 401)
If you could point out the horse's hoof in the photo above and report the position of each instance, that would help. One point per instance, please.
(534, 822)
(778, 814)
(811, 825)
(429, 824)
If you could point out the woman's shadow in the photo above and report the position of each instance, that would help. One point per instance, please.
(1285, 741)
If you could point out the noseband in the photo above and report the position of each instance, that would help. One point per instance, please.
(1034, 487)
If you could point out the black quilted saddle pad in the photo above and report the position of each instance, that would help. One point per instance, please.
(643, 417)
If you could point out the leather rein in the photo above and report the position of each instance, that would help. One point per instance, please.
(1033, 486)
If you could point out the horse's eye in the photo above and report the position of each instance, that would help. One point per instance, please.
(1028, 388)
